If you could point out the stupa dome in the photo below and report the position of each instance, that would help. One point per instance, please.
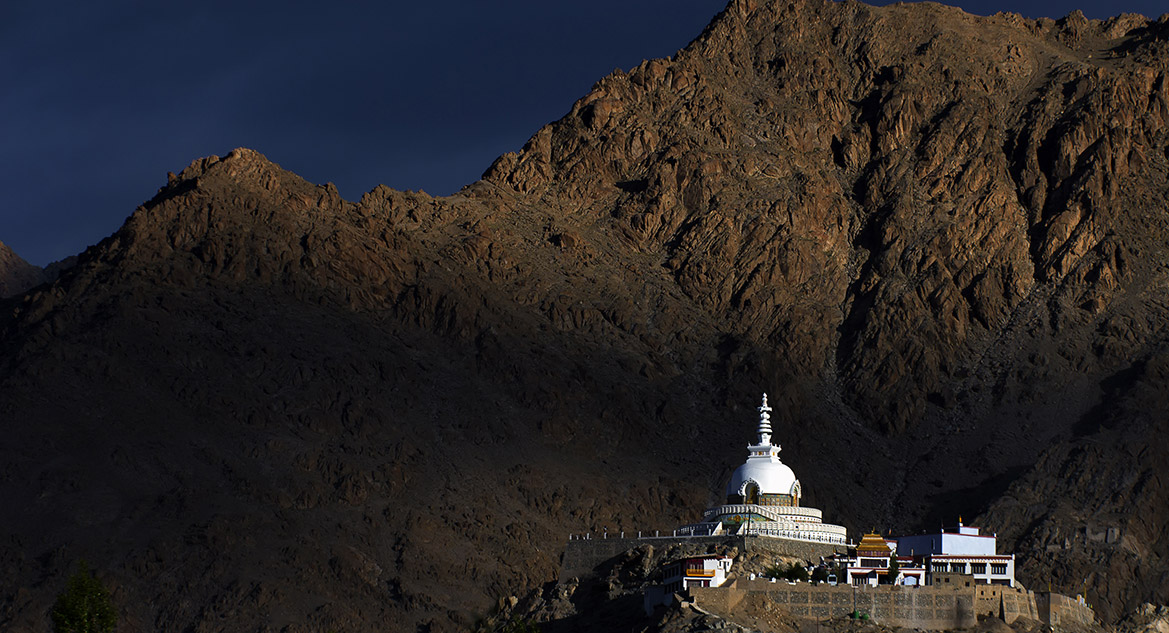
(764, 479)
(763, 499)
(770, 477)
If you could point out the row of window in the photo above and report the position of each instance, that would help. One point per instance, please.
(978, 569)
(997, 569)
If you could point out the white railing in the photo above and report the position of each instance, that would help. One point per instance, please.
(823, 528)
(778, 513)
(824, 533)
(836, 536)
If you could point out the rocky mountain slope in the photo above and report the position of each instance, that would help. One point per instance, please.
(17, 275)
(938, 241)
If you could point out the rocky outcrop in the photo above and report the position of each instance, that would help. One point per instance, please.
(938, 241)
(1147, 619)
(17, 275)
(1090, 515)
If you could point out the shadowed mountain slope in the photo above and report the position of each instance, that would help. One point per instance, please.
(17, 275)
(938, 241)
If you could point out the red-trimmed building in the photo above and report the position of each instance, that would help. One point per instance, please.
(961, 550)
(869, 564)
(958, 550)
(708, 570)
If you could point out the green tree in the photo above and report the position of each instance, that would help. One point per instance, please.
(84, 606)
(820, 574)
(894, 570)
(796, 572)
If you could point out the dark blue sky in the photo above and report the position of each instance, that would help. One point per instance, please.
(101, 99)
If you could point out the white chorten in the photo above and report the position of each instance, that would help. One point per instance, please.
(764, 479)
(763, 498)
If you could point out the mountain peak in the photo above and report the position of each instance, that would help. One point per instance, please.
(17, 275)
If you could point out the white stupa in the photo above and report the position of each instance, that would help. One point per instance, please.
(763, 498)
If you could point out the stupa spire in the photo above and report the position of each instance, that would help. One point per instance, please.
(765, 423)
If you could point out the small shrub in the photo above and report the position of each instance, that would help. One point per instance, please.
(796, 572)
(516, 625)
(775, 571)
(84, 606)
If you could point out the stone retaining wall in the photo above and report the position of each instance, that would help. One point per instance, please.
(920, 607)
(955, 604)
(1059, 610)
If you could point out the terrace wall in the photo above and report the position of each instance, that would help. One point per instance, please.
(947, 605)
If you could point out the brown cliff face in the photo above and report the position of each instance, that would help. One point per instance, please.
(17, 275)
(937, 239)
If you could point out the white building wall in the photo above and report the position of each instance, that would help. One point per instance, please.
(946, 543)
(967, 545)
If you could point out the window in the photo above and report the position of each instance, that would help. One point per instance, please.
(874, 562)
(998, 569)
(958, 568)
(978, 568)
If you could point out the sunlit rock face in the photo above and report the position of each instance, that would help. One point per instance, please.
(937, 240)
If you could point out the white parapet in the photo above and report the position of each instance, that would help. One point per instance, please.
(823, 533)
(790, 522)
(779, 513)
